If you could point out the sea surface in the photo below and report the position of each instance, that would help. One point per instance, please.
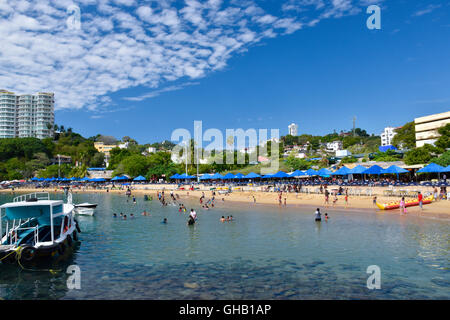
(267, 252)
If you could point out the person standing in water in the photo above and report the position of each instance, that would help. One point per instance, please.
(402, 206)
(317, 215)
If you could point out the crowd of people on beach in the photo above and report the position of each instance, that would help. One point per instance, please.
(205, 204)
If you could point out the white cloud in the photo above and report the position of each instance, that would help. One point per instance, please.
(128, 43)
(430, 8)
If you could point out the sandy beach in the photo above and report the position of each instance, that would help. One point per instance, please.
(437, 209)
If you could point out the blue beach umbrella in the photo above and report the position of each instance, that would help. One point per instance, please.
(281, 174)
(228, 176)
(446, 169)
(205, 177)
(216, 176)
(140, 178)
(324, 172)
(267, 176)
(394, 169)
(239, 176)
(375, 169)
(175, 176)
(359, 169)
(311, 172)
(342, 172)
(431, 168)
(252, 175)
(297, 173)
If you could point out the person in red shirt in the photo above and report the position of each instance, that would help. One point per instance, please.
(420, 197)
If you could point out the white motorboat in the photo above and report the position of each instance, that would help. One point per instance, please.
(33, 227)
(86, 205)
(84, 211)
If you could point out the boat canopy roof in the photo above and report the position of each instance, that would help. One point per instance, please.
(35, 209)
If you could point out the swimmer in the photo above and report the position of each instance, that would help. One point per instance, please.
(132, 216)
(231, 218)
(164, 221)
(114, 215)
(124, 217)
(222, 219)
(326, 216)
(121, 214)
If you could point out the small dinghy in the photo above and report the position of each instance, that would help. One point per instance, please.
(84, 211)
(86, 205)
(410, 203)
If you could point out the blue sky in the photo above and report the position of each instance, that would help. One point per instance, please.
(145, 68)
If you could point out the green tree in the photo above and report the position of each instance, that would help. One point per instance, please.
(98, 160)
(443, 142)
(135, 165)
(405, 137)
(443, 159)
(418, 156)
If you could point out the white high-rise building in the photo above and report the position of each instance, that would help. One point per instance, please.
(387, 135)
(293, 129)
(26, 115)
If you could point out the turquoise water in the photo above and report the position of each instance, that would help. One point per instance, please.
(266, 253)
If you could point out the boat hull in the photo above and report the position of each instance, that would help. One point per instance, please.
(84, 211)
(56, 251)
(410, 203)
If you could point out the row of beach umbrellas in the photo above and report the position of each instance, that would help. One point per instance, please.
(343, 171)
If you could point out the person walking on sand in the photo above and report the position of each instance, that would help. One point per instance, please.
(435, 194)
(327, 195)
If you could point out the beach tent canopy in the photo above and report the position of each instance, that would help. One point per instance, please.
(34, 179)
(239, 176)
(205, 177)
(432, 167)
(85, 179)
(140, 178)
(119, 178)
(311, 172)
(228, 176)
(394, 169)
(184, 176)
(359, 169)
(374, 170)
(216, 176)
(324, 172)
(98, 180)
(342, 171)
(281, 174)
(175, 176)
(297, 173)
(252, 175)
(267, 176)
(446, 169)
(74, 179)
(386, 148)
